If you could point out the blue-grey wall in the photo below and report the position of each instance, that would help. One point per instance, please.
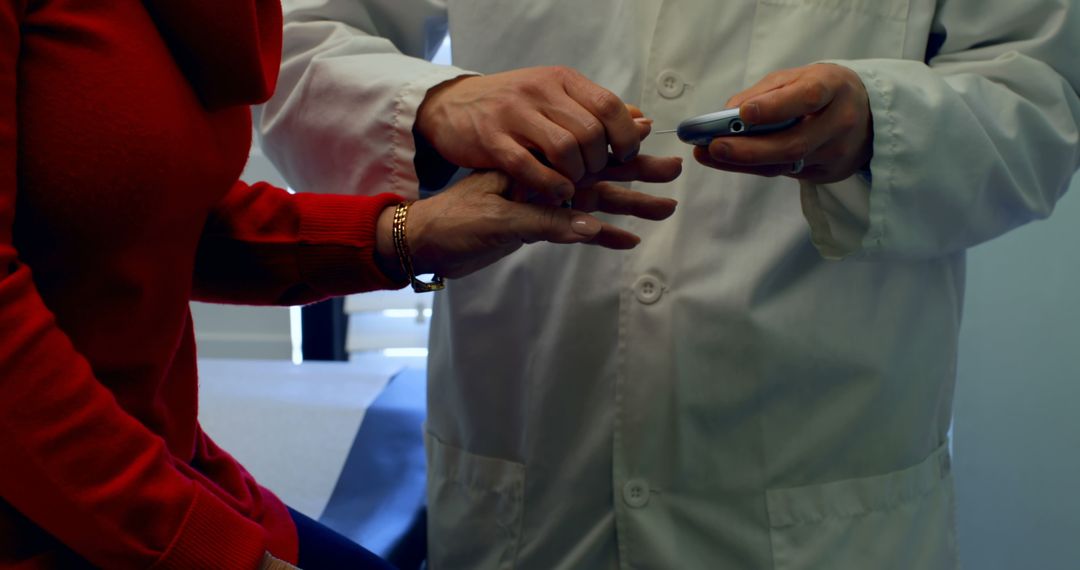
(1016, 436)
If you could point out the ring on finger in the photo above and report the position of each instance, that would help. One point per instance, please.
(797, 166)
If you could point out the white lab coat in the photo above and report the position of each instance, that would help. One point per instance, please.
(723, 396)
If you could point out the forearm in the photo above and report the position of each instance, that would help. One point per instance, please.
(264, 246)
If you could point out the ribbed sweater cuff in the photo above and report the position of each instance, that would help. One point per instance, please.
(214, 536)
(339, 232)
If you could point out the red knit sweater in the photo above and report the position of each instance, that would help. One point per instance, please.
(123, 130)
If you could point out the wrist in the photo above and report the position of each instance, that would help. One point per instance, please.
(386, 257)
(433, 171)
(396, 239)
(430, 115)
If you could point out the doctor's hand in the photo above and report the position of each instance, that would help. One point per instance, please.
(833, 140)
(547, 127)
(473, 224)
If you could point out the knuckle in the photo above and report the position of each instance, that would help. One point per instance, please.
(515, 159)
(563, 142)
(563, 71)
(607, 104)
(564, 145)
(548, 218)
(593, 129)
(504, 105)
(532, 89)
(848, 119)
(815, 93)
(568, 77)
(776, 77)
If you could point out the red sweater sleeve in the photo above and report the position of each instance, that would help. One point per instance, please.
(265, 246)
(71, 459)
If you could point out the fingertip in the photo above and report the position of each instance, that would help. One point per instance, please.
(626, 143)
(564, 191)
(675, 169)
(629, 242)
(750, 111)
(701, 155)
(663, 210)
(585, 225)
(620, 241)
(719, 150)
(644, 127)
(557, 186)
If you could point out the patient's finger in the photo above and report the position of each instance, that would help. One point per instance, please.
(613, 199)
(613, 237)
(645, 168)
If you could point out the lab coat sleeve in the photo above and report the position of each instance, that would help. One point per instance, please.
(353, 75)
(976, 141)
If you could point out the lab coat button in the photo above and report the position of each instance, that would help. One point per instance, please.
(636, 493)
(648, 289)
(670, 84)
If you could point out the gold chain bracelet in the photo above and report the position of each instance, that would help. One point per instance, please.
(401, 246)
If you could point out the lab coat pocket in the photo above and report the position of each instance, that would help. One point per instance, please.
(475, 508)
(792, 33)
(896, 521)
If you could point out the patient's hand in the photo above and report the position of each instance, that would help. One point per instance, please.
(474, 223)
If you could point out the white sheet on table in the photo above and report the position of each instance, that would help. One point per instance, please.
(290, 425)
